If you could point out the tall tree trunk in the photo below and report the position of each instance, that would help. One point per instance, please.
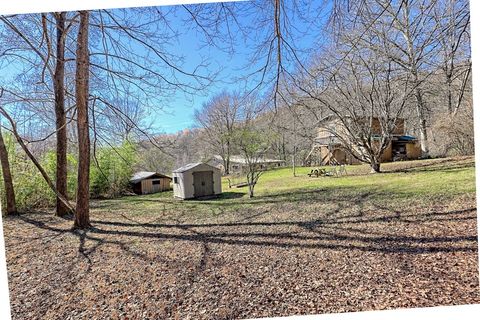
(413, 67)
(422, 121)
(375, 165)
(448, 81)
(61, 117)
(7, 177)
(294, 160)
(227, 166)
(82, 215)
(251, 179)
(227, 158)
(251, 188)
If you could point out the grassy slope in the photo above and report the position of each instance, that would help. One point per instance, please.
(405, 179)
(417, 182)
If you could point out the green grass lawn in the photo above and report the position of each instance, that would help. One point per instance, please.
(406, 179)
(420, 182)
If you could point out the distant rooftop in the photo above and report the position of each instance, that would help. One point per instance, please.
(241, 160)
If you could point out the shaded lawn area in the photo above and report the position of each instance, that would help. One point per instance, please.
(404, 238)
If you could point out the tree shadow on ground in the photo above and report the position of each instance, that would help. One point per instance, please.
(230, 195)
(322, 233)
(350, 232)
(444, 165)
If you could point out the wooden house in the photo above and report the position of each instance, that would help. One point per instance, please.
(145, 182)
(329, 145)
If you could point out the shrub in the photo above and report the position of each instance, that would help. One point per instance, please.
(111, 170)
(110, 178)
(31, 190)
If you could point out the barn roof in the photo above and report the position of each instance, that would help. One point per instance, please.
(142, 175)
(191, 166)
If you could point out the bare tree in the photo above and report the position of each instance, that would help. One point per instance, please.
(378, 102)
(453, 17)
(414, 34)
(123, 123)
(218, 117)
(82, 217)
(253, 142)
(117, 66)
(7, 177)
(294, 126)
(60, 113)
(253, 145)
(51, 77)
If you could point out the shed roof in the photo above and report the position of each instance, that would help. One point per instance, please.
(191, 166)
(142, 175)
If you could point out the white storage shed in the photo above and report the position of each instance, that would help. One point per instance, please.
(196, 180)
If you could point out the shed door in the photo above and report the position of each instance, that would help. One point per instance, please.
(156, 187)
(202, 183)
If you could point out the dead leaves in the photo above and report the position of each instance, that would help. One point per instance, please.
(237, 265)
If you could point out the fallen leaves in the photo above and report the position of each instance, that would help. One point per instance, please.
(325, 258)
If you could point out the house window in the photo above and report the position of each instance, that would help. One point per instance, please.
(175, 179)
(156, 182)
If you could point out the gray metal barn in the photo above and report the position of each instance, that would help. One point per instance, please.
(196, 180)
(145, 182)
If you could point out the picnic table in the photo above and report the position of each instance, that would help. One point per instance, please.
(317, 172)
(334, 171)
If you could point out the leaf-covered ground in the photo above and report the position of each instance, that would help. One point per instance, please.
(339, 244)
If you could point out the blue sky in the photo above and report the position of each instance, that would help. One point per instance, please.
(179, 111)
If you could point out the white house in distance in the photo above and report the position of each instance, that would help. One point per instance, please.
(238, 164)
(196, 180)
